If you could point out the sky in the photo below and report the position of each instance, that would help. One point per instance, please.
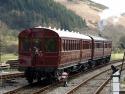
(116, 8)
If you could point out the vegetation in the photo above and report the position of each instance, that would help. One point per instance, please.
(7, 57)
(93, 4)
(18, 14)
(116, 34)
(122, 42)
(116, 56)
(8, 40)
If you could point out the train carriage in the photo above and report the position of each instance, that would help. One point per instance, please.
(73, 51)
(101, 50)
(48, 52)
(98, 48)
(107, 50)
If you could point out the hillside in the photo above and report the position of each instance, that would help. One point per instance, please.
(77, 15)
(86, 9)
(18, 14)
(89, 11)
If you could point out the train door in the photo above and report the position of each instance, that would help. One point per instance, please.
(37, 52)
(51, 50)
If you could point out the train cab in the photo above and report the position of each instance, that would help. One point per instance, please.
(38, 47)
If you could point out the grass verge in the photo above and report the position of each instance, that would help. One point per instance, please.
(116, 56)
(6, 57)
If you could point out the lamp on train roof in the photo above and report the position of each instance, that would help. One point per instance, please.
(38, 26)
(54, 28)
(62, 30)
(49, 27)
(67, 30)
(59, 29)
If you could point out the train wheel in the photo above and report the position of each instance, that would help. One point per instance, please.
(30, 80)
(29, 75)
(86, 67)
(57, 75)
(92, 64)
(38, 78)
(103, 61)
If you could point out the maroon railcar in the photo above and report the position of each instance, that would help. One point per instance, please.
(100, 52)
(45, 52)
(107, 50)
(46, 41)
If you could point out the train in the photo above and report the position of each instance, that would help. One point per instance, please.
(46, 52)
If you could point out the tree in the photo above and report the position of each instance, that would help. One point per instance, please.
(122, 42)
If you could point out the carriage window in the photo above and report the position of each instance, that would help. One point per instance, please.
(37, 43)
(25, 44)
(50, 45)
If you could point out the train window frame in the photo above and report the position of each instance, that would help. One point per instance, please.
(27, 46)
(72, 45)
(83, 45)
(106, 45)
(75, 44)
(67, 45)
(78, 45)
(63, 45)
(51, 50)
(40, 43)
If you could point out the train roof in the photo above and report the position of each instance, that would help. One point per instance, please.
(63, 33)
(96, 38)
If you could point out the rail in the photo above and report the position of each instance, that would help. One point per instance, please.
(50, 86)
(86, 81)
(102, 86)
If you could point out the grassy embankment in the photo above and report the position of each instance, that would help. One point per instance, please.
(7, 57)
(116, 56)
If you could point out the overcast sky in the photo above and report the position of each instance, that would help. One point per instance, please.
(116, 7)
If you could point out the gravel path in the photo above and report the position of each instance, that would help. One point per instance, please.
(12, 84)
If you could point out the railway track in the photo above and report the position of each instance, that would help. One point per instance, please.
(46, 87)
(11, 75)
(90, 85)
(99, 89)
(34, 88)
(94, 84)
(79, 79)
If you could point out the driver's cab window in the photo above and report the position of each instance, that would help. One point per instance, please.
(50, 45)
(37, 43)
(25, 44)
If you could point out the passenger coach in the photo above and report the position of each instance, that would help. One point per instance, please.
(45, 52)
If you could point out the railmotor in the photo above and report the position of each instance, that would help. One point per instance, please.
(46, 52)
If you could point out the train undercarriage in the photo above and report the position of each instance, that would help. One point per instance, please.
(32, 73)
